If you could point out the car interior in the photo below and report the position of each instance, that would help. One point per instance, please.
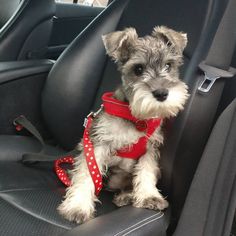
(53, 71)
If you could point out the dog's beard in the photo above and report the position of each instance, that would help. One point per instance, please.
(144, 105)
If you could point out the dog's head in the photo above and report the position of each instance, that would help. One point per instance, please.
(150, 70)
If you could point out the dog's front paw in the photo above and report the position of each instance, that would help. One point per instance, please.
(123, 199)
(76, 213)
(153, 203)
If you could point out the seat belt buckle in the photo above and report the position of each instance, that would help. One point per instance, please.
(207, 82)
(211, 74)
(17, 124)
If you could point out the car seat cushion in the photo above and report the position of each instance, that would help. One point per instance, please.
(24, 189)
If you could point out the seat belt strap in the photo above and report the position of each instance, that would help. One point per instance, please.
(222, 48)
(22, 122)
(30, 158)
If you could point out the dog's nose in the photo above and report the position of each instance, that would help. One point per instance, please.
(160, 94)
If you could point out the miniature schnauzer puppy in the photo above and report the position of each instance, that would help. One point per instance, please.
(149, 68)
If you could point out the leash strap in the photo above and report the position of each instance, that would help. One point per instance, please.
(61, 172)
(90, 158)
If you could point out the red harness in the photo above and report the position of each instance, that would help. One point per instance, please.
(120, 109)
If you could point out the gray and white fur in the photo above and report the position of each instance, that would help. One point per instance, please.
(149, 68)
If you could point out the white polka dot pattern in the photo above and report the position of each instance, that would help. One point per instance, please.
(91, 161)
(61, 173)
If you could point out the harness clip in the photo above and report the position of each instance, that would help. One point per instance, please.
(93, 115)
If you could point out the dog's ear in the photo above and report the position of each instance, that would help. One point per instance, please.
(119, 44)
(171, 37)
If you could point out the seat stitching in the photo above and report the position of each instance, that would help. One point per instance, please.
(22, 189)
(150, 221)
(122, 231)
(34, 215)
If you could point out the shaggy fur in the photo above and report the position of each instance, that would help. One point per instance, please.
(150, 83)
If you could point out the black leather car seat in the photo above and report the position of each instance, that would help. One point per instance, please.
(29, 195)
(25, 28)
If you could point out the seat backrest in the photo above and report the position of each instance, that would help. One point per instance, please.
(25, 34)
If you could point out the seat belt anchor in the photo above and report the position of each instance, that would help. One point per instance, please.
(211, 74)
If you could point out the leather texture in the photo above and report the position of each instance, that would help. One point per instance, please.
(23, 194)
(23, 199)
(13, 70)
(29, 194)
(26, 34)
(141, 222)
(24, 81)
(14, 146)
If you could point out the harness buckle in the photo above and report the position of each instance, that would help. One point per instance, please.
(90, 114)
(93, 115)
(98, 111)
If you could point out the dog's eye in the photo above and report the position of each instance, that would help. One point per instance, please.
(138, 69)
(167, 67)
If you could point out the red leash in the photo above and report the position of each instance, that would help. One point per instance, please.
(90, 159)
(61, 173)
(120, 109)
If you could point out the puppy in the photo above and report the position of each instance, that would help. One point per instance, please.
(151, 91)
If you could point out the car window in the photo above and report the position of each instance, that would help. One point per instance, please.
(95, 3)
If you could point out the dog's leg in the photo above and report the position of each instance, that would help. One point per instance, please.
(79, 203)
(120, 180)
(123, 198)
(145, 192)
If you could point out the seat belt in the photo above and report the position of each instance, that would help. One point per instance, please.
(41, 156)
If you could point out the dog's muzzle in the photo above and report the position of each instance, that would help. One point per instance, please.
(160, 94)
